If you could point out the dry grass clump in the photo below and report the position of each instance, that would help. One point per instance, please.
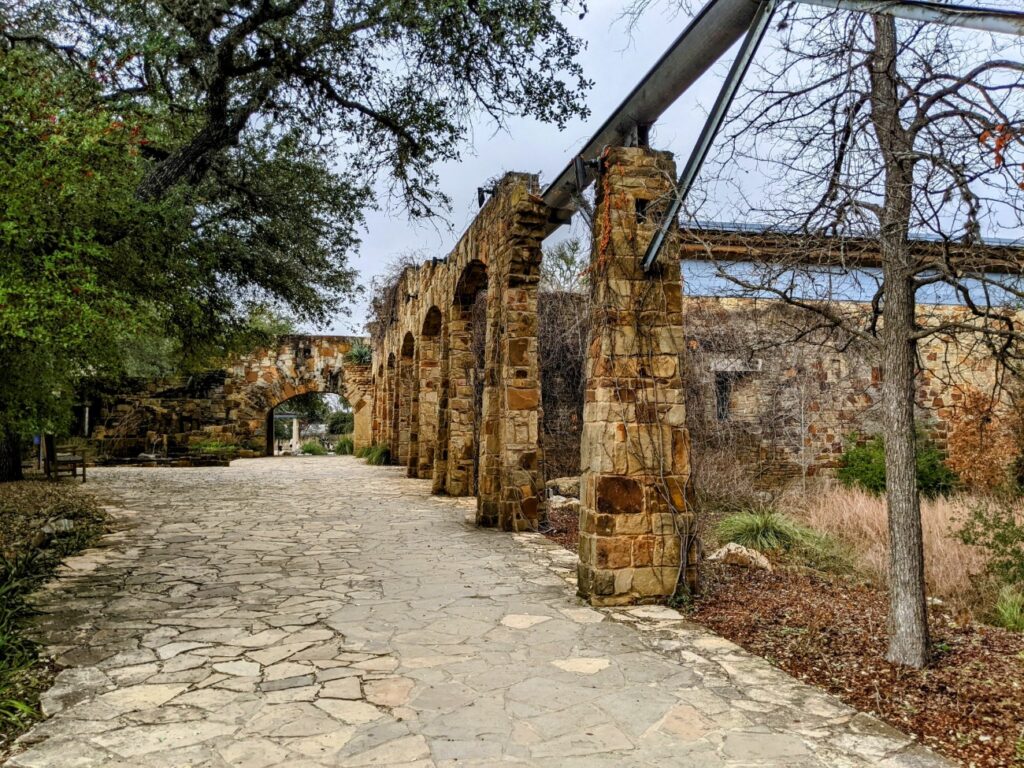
(954, 571)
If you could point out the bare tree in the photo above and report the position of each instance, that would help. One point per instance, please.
(563, 326)
(865, 134)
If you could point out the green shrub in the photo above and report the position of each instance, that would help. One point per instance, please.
(344, 446)
(359, 354)
(378, 455)
(997, 525)
(213, 446)
(863, 465)
(768, 530)
(313, 448)
(340, 422)
(361, 453)
(1009, 610)
(764, 529)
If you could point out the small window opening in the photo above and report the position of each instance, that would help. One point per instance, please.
(641, 210)
(723, 394)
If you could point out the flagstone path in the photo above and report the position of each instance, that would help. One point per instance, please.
(320, 612)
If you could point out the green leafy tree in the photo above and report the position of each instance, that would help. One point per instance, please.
(340, 422)
(309, 407)
(169, 166)
(91, 272)
(64, 161)
(564, 269)
(391, 84)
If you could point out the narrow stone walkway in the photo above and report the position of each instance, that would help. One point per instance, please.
(320, 612)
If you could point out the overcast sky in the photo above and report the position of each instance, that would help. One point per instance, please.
(615, 59)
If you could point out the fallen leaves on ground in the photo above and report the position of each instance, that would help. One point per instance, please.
(968, 703)
(563, 527)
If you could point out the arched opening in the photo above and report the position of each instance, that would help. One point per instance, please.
(429, 392)
(407, 396)
(464, 382)
(304, 418)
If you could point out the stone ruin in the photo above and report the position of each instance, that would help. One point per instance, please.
(648, 362)
(480, 435)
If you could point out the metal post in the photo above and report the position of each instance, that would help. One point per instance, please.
(755, 34)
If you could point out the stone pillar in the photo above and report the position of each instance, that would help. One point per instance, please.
(427, 407)
(439, 476)
(296, 438)
(511, 481)
(461, 453)
(636, 514)
(489, 466)
(391, 421)
(521, 476)
(359, 391)
(404, 404)
(377, 419)
(412, 457)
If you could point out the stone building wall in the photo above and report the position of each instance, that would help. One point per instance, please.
(787, 406)
(232, 404)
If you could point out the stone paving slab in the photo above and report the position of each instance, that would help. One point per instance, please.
(321, 612)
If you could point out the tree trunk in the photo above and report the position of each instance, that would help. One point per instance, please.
(10, 457)
(908, 618)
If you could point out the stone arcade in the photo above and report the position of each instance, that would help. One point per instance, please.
(636, 524)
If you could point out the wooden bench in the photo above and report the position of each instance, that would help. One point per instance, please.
(69, 464)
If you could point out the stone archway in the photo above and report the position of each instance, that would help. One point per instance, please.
(231, 404)
(461, 441)
(259, 382)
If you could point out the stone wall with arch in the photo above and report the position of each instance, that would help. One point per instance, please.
(425, 368)
(232, 404)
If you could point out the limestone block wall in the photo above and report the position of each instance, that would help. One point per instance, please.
(787, 407)
(298, 365)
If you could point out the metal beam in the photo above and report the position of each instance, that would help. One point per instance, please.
(707, 38)
(758, 26)
(917, 10)
(982, 19)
